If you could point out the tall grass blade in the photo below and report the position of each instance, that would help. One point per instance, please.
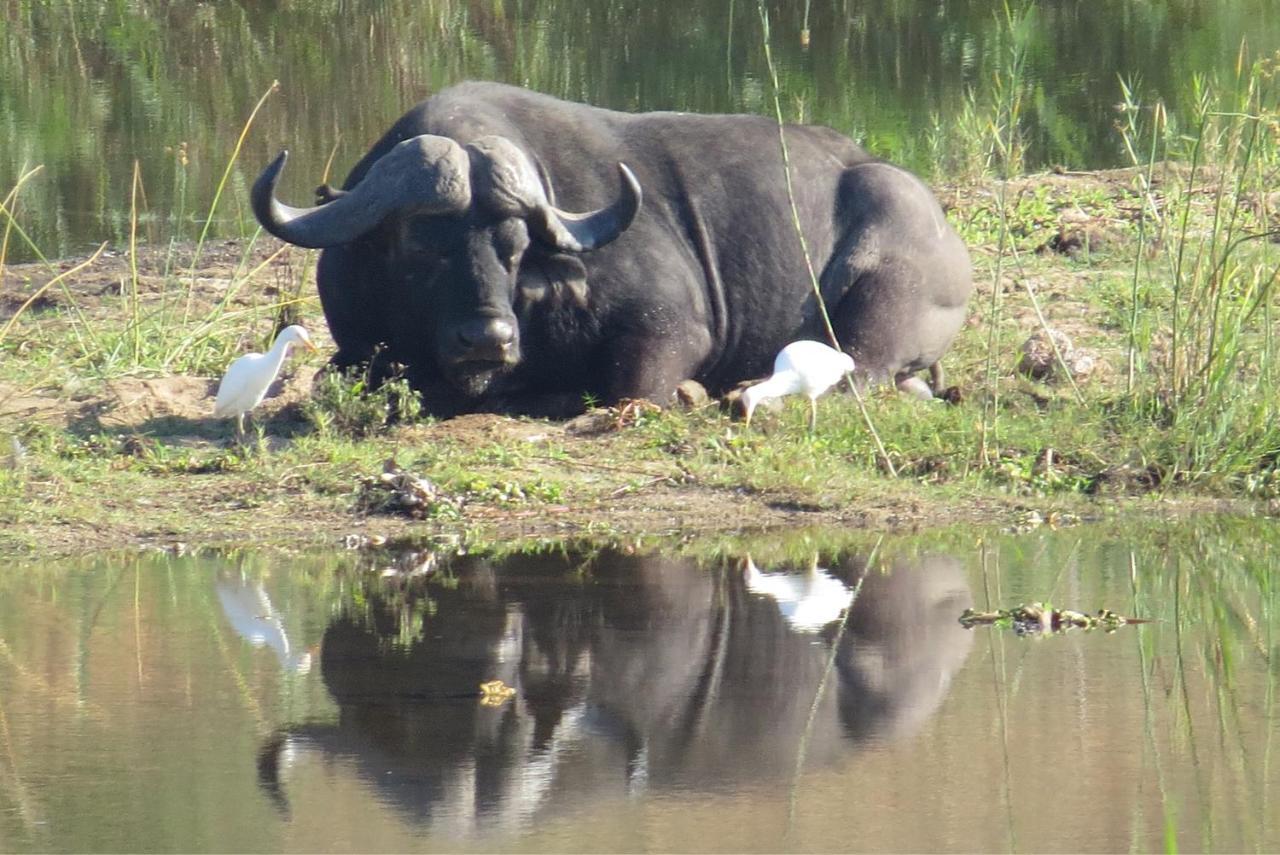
(804, 244)
(11, 223)
(57, 280)
(222, 183)
(133, 264)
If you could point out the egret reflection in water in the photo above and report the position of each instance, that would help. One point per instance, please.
(248, 609)
(808, 601)
(632, 673)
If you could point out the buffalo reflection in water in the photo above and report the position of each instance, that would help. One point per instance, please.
(632, 673)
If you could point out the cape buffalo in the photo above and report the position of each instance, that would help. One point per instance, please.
(494, 242)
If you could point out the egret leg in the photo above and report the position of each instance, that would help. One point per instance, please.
(240, 427)
(813, 414)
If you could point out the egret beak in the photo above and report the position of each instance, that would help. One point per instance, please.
(310, 346)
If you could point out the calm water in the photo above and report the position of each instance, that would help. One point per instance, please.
(249, 703)
(91, 87)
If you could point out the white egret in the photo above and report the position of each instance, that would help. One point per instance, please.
(802, 367)
(245, 384)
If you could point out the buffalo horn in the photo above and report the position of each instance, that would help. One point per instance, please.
(505, 179)
(579, 232)
(426, 173)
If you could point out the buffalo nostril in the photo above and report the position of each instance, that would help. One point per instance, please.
(500, 332)
(490, 333)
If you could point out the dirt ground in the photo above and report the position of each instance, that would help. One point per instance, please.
(175, 410)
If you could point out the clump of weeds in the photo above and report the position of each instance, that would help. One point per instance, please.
(348, 404)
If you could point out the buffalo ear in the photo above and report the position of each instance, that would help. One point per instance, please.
(557, 279)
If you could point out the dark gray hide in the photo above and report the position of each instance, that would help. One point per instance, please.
(452, 252)
(655, 675)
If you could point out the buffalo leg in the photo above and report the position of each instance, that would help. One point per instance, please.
(647, 367)
(903, 277)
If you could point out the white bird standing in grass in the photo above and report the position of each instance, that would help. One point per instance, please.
(802, 367)
(245, 384)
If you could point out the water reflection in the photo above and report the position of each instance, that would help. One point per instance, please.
(808, 600)
(248, 608)
(661, 704)
(633, 674)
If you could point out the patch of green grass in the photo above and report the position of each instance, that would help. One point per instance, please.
(347, 404)
(1208, 255)
(931, 443)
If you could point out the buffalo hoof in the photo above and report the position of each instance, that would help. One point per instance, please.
(691, 395)
(916, 388)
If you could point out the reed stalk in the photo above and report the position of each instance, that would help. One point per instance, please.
(57, 280)
(804, 244)
(133, 263)
(11, 223)
(1129, 135)
(1006, 136)
(222, 183)
(81, 328)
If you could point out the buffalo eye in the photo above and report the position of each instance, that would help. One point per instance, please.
(510, 240)
(427, 239)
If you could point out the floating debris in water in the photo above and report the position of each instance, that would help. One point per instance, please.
(1039, 619)
(495, 693)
